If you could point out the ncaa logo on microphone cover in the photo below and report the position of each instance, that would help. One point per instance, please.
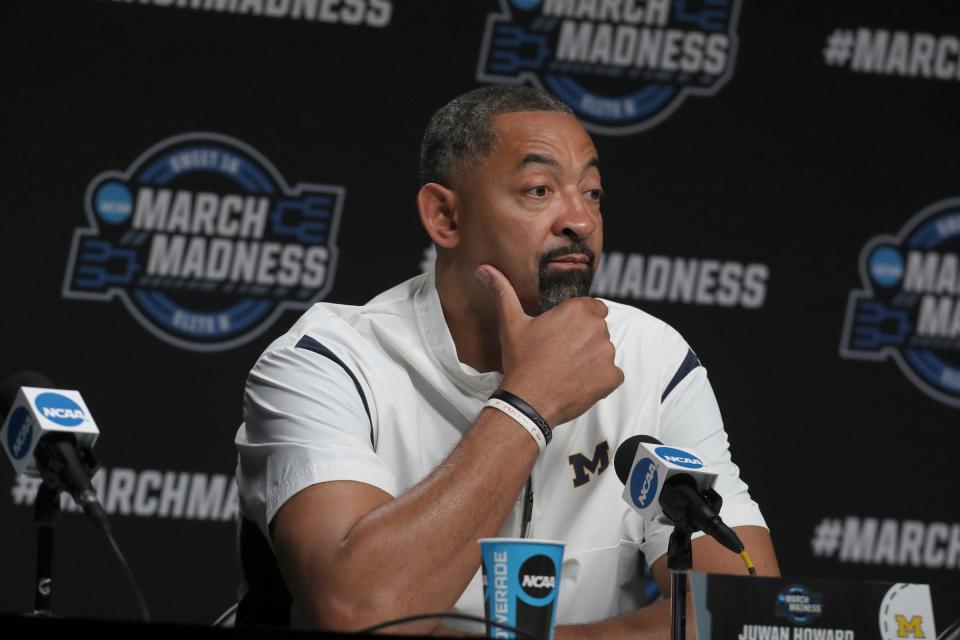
(59, 409)
(643, 483)
(204, 242)
(679, 457)
(623, 65)
(19, 433)
(908, 309)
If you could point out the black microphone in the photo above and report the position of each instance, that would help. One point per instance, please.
(51, 418)
(627, 451)
(683, 497)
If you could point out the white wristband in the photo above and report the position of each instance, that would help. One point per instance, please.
(520, 419)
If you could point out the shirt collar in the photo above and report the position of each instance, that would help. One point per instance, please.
(436, 335)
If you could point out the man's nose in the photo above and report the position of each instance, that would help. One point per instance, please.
(577, 219)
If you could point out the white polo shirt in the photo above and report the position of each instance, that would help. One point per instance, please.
(376, 394)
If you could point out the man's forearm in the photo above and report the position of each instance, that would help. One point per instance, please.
(417, 553)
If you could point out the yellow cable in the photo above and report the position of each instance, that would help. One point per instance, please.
(748, 562)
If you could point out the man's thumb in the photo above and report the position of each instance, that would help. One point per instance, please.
(502, 293)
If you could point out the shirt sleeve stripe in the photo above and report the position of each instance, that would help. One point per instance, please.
(310, 344)
(689, 363)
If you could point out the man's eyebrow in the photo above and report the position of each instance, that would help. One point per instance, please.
(537, 158)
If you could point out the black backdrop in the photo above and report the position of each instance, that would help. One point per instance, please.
(787, 171)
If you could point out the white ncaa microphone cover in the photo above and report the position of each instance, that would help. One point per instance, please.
(653, 466)
(36, 412)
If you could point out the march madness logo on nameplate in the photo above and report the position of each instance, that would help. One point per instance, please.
(204, 242)
(909, 307)
(622, 66)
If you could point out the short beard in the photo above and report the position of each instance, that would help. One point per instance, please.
(557, 285)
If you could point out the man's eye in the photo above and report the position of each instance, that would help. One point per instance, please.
(539, 192)
(595, 194)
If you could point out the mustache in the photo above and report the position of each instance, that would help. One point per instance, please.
(559, 252)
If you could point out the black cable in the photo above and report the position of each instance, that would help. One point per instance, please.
(225, 616)
(952, 632)
(141, 603)
(460, 616)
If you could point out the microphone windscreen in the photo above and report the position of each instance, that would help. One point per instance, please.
(10, 387)
(627, 451)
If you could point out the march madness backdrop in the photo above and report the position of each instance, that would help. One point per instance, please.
(183, 177)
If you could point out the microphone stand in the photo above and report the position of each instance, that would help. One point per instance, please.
(53, 464)
(680, 550)
(679, 561)
(46, 512)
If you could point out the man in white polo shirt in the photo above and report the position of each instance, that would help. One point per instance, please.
(372, 457)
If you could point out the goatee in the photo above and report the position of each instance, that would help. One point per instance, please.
(557, 285)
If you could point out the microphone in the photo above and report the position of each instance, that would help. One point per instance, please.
(672, 486)
(49, 433)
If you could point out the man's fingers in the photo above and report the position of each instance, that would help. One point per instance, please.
(592, 305)
(601, 309)
(502, 293)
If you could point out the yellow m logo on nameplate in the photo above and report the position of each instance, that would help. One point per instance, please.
(906, 628)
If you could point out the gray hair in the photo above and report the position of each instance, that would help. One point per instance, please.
(461, 133)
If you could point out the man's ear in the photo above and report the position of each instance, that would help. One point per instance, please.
(439, 214)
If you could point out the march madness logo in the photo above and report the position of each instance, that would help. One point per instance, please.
(204, 242)
(909, 308)
(622, 66)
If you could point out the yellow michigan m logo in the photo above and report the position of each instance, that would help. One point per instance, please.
(907, 627)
